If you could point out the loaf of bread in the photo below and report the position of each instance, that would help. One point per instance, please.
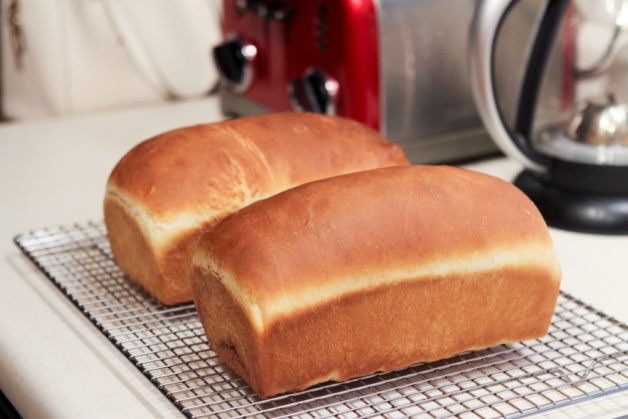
(168, 189)
(373, 271)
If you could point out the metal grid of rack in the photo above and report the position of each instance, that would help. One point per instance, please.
(584, 355)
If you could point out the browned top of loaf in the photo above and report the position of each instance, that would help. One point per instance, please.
(203, 164)
(371, 222)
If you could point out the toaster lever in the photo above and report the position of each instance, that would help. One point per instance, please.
(273, 10)
(314, 92)
(233, 59)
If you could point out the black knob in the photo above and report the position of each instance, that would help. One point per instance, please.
(314, 92)
(233, 60)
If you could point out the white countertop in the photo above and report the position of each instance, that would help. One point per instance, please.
(55, 363)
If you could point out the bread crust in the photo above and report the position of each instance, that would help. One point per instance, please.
(373, 271)
(180, 183)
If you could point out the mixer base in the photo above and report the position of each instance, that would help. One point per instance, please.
(589, 212)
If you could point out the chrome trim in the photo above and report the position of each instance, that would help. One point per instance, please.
(484, 28)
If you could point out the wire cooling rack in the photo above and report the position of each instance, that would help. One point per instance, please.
(585, 354)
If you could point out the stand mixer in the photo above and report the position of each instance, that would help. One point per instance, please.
(576, 158)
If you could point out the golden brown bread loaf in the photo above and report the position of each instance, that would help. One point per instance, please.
(373, 271)
(165, 191)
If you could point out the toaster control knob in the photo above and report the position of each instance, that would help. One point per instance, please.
(234, 60)
(314, 92)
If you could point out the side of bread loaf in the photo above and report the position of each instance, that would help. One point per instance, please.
(373, 271)
(168, 189)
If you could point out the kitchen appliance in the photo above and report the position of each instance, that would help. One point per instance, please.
(575, 155)
(397, 66)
